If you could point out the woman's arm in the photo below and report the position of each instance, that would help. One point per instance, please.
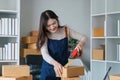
(75, 35)
(57, 66)
(45, 53)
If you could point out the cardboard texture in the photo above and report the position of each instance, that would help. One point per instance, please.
(15, 70)
(25, 52)
(98, 54)
(16, 78)
(98, 32)
(34, 33)
(29, 39)
(32, 46)
(115, 77)
(74, 78)
(72, 71)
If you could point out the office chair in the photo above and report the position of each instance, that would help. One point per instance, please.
(35, 62)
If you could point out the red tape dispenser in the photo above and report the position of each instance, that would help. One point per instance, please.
(75, 53)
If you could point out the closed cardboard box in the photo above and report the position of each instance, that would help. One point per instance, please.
(15, 70)
(29, 39)
(98, 32)
(16, 78)
(34, 33)
(115, 77)
(72, 71)
(74, 78)
(98, 54)
(24, 52)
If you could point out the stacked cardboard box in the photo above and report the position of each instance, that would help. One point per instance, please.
(72, 72)
(30, 41)
(99, 54)
(16, 78)
(15, 72)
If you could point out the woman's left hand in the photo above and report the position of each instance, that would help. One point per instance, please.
(58, 68)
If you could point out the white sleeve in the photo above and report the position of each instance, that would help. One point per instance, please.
(45, 53)
(75, 35)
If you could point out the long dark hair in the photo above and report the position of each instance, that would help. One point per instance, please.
(42, 36)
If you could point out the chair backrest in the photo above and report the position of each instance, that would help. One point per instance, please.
(35, 63)
(33, 60)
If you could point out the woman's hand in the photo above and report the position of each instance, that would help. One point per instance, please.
(58, 68)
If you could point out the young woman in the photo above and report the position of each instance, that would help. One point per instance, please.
(53, 44)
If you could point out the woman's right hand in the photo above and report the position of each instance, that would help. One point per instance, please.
(58, 68)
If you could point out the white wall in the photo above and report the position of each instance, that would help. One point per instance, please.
(74, 13)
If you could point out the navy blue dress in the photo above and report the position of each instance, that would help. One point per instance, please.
(58, 49)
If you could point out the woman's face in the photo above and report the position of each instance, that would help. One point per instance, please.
(52, 25)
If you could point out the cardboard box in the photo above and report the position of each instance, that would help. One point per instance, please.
(98, 54)
(29, 39)
(103, 47)
(15, 70)
(73, 71)
(74, 78)
(24, 52)
(32, 46)
(98, 32)
(34, 33)
(115, 77)
(16, 78)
